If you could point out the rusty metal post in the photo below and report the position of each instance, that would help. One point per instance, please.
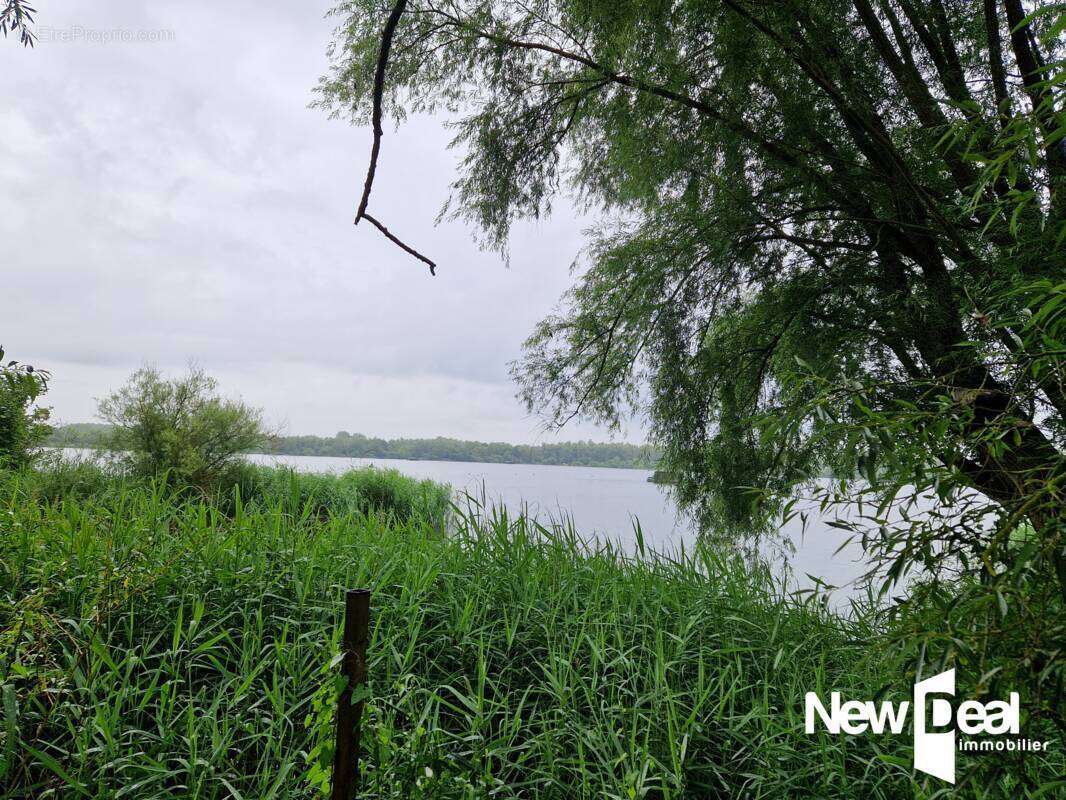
(349, 714)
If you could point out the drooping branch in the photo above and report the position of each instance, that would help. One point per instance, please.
(579, 58)
(17, 17)
(379, 91)
(375, 150)
(392, 238)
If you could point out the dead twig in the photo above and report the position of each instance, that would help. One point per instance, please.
(375, 151)
(392, 238)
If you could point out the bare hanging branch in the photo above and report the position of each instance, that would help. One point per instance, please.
(392, 238)
(379, 91)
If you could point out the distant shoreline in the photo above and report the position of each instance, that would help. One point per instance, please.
(346, 445)
(455, 461)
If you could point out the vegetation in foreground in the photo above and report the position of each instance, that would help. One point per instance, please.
(155, 643)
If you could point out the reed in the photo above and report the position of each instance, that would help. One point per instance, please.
(155, 645)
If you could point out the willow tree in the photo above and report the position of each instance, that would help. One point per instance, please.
(831, 236)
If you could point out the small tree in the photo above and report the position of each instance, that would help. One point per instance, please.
(179, 427)
(23, 425)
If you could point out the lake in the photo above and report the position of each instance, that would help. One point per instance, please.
(604, 503)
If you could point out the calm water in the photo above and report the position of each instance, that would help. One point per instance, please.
(602, 502)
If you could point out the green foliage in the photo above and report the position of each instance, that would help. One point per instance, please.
(792, 182)
(57, 477)
(987, 579)
(23, 425)
(16, 17)
(154, 645)
(360, 492)
(367, 491)
(832, 244)
(1009, 149)
(180, 428)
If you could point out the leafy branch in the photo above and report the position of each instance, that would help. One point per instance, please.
(16, 17)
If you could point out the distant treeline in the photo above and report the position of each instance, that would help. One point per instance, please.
(355, 445)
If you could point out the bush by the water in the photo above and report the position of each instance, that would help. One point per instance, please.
(155, 645)
(180, 429)
(23, 422)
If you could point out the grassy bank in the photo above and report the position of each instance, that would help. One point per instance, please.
(154, 645)
(320, 495)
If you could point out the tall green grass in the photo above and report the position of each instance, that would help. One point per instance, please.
(62, 476)
(154, 645)
(364, 490)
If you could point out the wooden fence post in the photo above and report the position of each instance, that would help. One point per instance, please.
(349, 714)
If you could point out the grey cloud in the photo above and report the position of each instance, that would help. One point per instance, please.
(174, 200)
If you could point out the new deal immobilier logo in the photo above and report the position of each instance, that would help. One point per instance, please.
(935, 723)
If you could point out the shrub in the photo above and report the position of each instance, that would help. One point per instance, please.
(180, 428)
(22, 424)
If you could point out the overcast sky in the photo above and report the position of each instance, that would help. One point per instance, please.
(176, 199)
